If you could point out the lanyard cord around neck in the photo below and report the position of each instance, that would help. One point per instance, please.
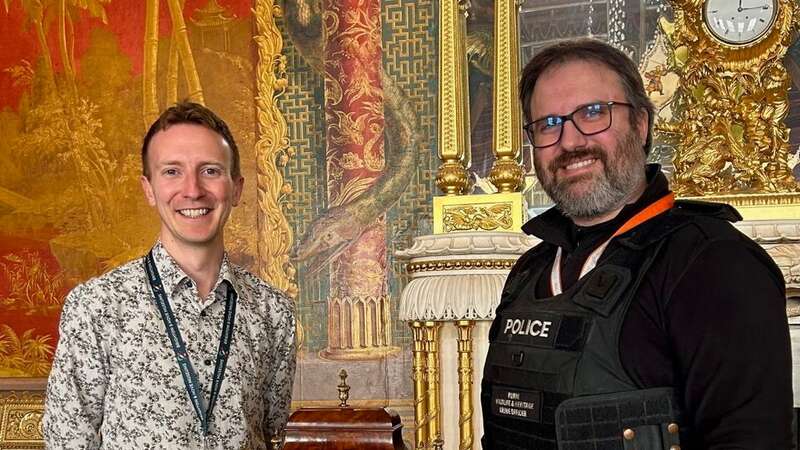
(659, 206)
(179, 346)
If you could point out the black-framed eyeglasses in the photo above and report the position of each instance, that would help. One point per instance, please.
(589, 119)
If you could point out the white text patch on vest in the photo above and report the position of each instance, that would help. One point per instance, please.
(528, 327)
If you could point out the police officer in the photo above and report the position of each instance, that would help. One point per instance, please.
(639, 322)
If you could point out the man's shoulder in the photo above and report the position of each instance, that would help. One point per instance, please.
(258, 289)
(103, 294)
(706, 235)
(693, 224)
(119, 280)
(708, 222)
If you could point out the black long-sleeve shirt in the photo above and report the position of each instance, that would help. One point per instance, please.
(713, 326)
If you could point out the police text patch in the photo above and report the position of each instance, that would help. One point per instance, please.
(517, 404)
(531, 328)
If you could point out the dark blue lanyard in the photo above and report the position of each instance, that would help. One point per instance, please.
(179, 347)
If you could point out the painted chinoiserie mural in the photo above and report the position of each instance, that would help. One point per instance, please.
(79, 82)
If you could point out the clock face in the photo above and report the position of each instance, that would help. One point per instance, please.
(739, 22)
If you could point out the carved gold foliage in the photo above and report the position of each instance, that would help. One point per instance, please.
(274, 234)
(21, 420)
(729, 127)
(470, 217)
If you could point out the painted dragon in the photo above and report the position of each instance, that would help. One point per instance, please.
(338, 227)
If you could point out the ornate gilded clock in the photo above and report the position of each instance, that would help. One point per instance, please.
(739, 22)
(728, 114)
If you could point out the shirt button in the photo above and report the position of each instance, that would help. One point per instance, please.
(207, 362)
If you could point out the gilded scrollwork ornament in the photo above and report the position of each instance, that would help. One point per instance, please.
(272, 149)
(21, 419)
(478, 218)
(730, 107)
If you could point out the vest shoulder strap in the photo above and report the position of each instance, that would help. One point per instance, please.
(714, 217)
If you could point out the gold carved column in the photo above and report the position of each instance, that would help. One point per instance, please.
(459, 291)
(505, 210)
(433, 418)
(465, 384)
(420, 385)
(506, 175)
(453, 126)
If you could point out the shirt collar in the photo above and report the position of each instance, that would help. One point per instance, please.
(172, 276)
(554, 227)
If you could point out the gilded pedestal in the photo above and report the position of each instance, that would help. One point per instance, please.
(456, 281)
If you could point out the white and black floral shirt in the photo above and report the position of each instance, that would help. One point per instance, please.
(115, 383)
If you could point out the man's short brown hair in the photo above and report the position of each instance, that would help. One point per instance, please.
(193, 113)
(591, 50)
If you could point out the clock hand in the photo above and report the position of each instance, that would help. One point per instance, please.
(753, 7)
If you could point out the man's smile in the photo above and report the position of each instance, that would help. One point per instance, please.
(585, 162)
(194, 212)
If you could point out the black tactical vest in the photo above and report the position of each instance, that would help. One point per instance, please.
(553, 377)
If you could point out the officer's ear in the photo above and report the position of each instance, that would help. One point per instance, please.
(643, 124)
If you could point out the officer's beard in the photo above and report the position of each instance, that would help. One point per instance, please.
(622, 174)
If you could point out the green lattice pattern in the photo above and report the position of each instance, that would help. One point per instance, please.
(409, 49)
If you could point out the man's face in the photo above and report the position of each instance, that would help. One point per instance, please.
(191, 185)
(588, 176)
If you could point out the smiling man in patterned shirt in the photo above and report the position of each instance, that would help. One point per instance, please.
(181, 348)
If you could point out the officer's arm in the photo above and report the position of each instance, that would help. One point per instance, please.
(77, 384)
(727, 320)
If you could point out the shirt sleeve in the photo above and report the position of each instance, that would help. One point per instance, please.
(279, 387)
(77, 383)
(727, 321)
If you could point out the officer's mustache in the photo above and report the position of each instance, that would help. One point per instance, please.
(566, 159)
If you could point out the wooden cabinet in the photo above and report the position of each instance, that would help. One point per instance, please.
(344, 429)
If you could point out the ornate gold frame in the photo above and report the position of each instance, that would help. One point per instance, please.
(274, 233)
(21, 410)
